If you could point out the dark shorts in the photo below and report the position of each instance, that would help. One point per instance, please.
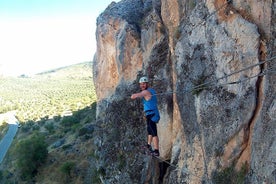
(151, 126)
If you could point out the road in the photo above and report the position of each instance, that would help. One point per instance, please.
(8, 138)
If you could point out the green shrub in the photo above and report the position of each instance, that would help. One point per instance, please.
(67, 146)
(67, 167)
(3, 129)
(50, 127)
(5, 175)
(230, 176)
(83, 131)
(96, 175)
(30, 153)
(75, 127)
(57, 118)
(3, 126)
(69, 121)
(36, 127)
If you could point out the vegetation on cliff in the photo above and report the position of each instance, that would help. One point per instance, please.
(56, 110)
(51, 93)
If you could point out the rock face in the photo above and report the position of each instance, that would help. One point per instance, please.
(212, 64)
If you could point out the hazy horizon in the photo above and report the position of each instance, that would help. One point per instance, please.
(40, 35)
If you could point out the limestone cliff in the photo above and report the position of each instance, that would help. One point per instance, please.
(213, 65)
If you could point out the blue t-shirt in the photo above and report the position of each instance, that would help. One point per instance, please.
(150, 106)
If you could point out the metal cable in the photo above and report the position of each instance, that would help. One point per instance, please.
(204, 85)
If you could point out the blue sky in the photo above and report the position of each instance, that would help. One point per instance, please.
(37, 35)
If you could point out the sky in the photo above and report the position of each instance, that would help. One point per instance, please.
(39, 35)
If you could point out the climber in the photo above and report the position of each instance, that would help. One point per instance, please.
(149, 100)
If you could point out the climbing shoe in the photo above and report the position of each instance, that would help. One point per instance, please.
(147, 148)
(155, 153)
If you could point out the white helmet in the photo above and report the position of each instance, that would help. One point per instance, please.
(143, 79)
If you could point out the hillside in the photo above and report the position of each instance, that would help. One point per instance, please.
(56, 110)
(48, 94)
(76, 71)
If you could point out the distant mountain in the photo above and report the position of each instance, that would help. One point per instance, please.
(75, 71)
